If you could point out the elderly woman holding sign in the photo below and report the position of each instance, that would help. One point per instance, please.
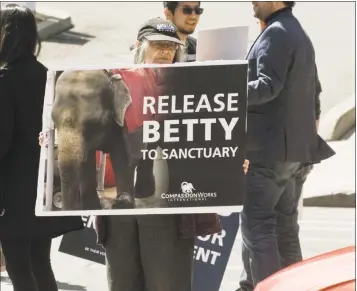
(153, 252)
(147, 252)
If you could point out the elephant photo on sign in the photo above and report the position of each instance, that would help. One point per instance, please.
(144, 139)
(97, 111)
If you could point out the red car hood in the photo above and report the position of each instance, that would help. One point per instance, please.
(317, 273)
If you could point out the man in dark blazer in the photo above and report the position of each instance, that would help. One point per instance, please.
(281, 139)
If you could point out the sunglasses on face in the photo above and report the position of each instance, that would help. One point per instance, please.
(187, 10)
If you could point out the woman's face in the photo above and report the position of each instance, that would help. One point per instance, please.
(161, 52)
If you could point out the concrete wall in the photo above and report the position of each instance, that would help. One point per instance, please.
(339, 120)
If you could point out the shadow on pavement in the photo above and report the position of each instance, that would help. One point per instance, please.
(337, 200)
(60, 285)
(71, 37)
(66, 286)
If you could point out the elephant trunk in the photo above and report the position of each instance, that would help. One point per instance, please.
(70, 157)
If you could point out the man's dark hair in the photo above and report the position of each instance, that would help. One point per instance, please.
(289, 4)
(172, 5)
(18, 34)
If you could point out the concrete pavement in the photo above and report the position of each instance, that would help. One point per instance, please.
(322, 230)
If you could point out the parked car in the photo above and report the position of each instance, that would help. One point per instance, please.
(332, 271)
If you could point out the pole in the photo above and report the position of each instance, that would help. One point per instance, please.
(49, 97)
(301, 207)
(101, 172)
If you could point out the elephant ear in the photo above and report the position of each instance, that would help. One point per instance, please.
(121, 99)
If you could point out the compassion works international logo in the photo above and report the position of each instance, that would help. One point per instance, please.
(188, 194)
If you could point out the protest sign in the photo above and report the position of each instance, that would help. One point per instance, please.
(211, 252)
(175, 136)
(83, 243)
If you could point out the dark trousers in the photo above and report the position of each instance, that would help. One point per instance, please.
(269, 220)
(145, 253)
(28, 264)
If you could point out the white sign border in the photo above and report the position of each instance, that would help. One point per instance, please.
(40, 209)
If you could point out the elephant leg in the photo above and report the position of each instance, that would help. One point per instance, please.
(88, 183)
(145, 180)
(70, 153)
(124, 174)
(77, 171)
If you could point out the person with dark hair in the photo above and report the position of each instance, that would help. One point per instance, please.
(282, 140)
(17, 43)
(25, 239)
(185, 15)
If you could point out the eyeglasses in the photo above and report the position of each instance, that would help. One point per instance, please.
(187, 10)
(160, 45)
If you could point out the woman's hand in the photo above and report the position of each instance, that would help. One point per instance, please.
(42, 139)
(246, 166)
